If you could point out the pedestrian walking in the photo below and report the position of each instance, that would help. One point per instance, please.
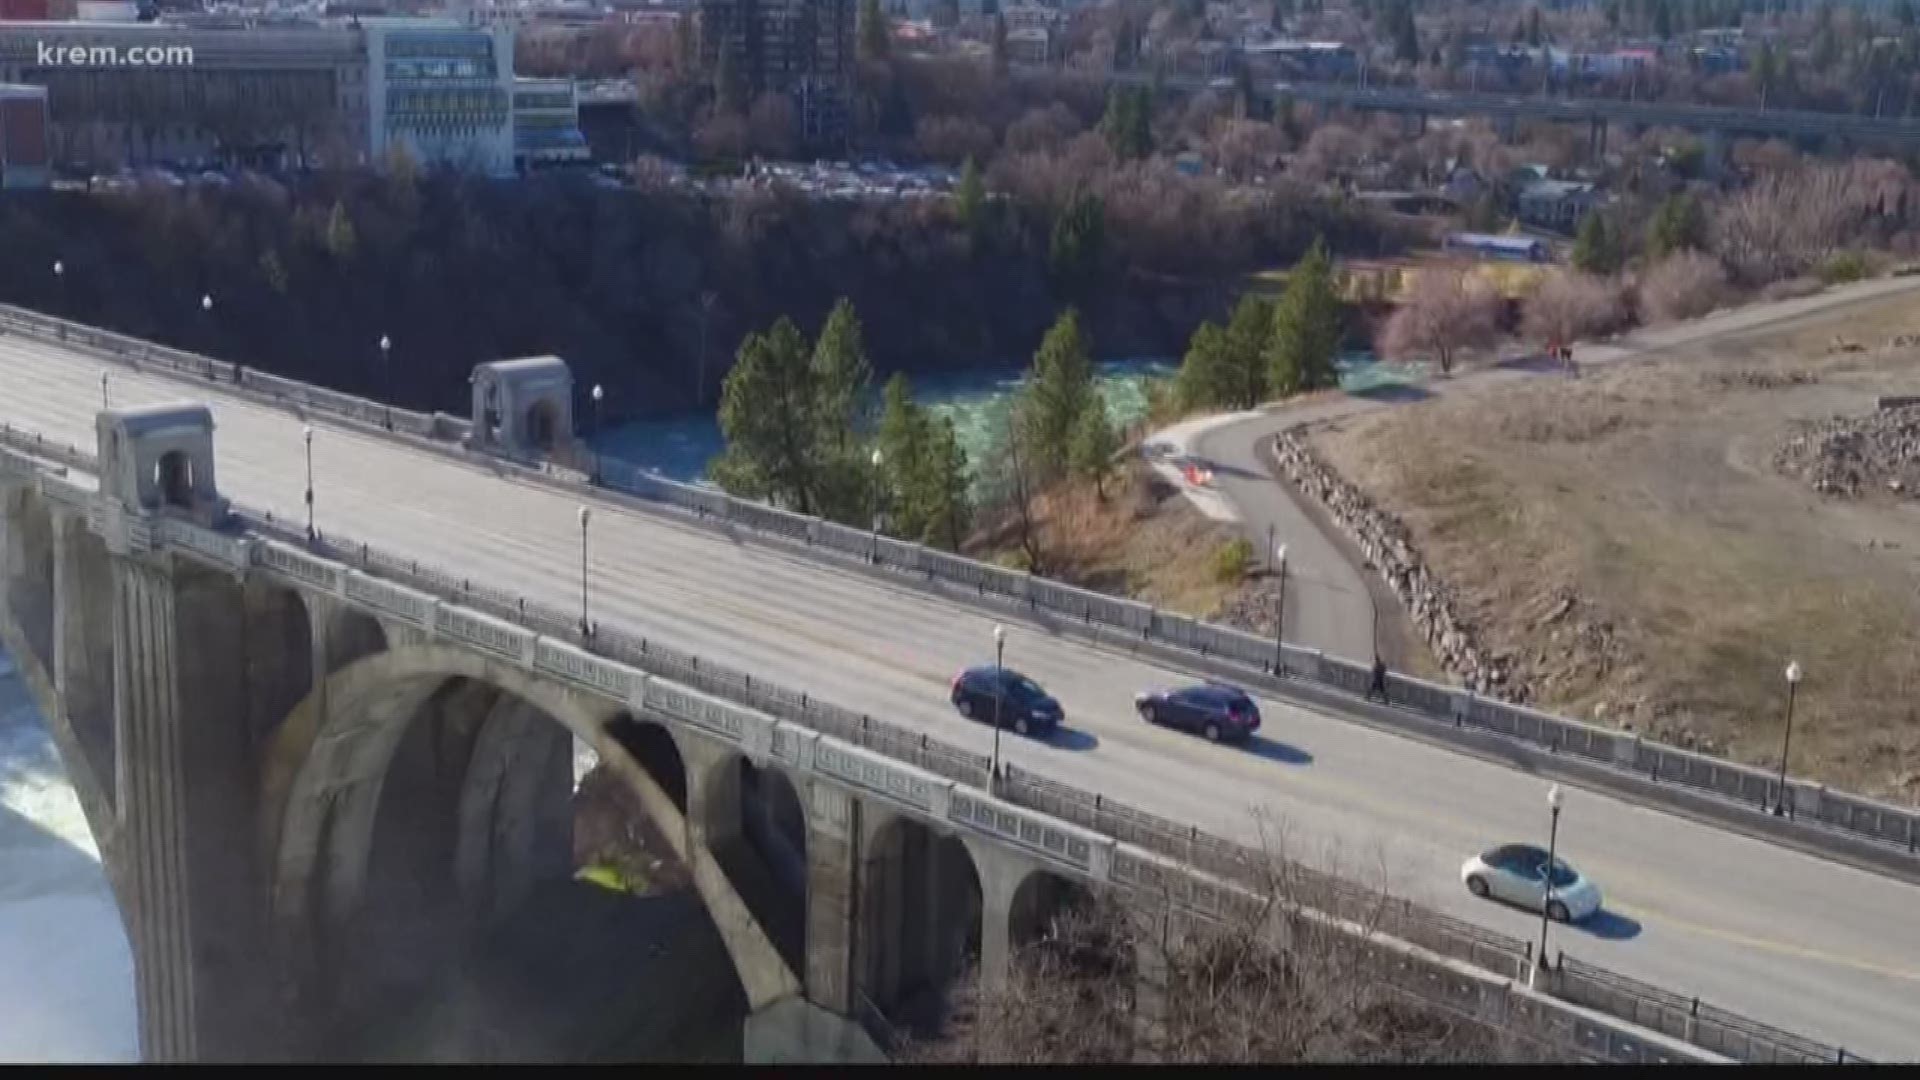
(1379, 683)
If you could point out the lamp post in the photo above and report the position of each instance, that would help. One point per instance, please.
(999, 694)
(1554, 799)
(386, 376)
(877, 459)
(60, 283)
(1280, 609)
(206, 308)
(599, 394)
(586, 628)
(1786, 740)
(306, 433)
(103, 392)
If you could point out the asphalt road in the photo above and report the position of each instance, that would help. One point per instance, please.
(1783, 937)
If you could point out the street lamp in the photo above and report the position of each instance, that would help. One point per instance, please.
(206, 307)
(586, 628)
(1786, 740)
(1554, 799)
(103, 392)
(386, 377)
(598, 396)
(999, 694)
(60, 283)
(875, 502)
(1280, 609)
(306, 431)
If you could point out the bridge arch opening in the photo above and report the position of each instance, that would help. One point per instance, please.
(277, 653)
(654, 749)
(756, 826)
(27, 571)
(1042, 904)
(543, 425)
(352, 635)
(920, 911)
(425, 828)
(173, 479)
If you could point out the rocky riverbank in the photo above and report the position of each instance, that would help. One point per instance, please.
(1389, 549)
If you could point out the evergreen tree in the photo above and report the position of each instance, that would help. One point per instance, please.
(1079, 236)
(1095, 442)
(1128, 122)
(999, 42)
(1306, 328)
(1406, 37)
(1678, 225)
(1206, 375)
(1662, 20)
(1247, 334)
(767, 416)
(1595, 249)
(841, 375)
(874, 43)
(1533, 27)
(950, 508)
(970, 198)
(1059, 389)
(904, 442)
(341, 241)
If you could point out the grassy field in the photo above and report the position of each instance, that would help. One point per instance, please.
(1626, 537)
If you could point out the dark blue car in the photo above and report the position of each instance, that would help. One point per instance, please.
(1022, 705)
(1216, 710)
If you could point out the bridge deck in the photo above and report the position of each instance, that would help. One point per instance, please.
(1783, 937)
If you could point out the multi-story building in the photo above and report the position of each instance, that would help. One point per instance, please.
(546, 124)
(341, 93)
(441, 90)
(800, 48)
(23, 137)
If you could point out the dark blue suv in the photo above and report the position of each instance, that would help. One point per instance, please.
(1216, 710)
(1023, 706)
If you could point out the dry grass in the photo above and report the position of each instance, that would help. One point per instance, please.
(1624, 537)
(1144, 540)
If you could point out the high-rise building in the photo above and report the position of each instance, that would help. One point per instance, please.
(800, 48)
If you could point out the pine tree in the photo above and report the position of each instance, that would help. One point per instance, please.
(1247, 334)
(951, 508)
(767, 416)
(1206, 373)
(905, 448)
(1094, 444)
(1078, 240)
(1594, 249)
(841, 375)
(1306, 328)
(1059, 389)
(970, 198)
(1679, 225)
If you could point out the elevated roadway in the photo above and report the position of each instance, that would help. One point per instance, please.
(1784, 937)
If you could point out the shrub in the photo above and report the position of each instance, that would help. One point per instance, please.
(1571, 305)
(1231, 559)
(1844, 267)
(1686, 285)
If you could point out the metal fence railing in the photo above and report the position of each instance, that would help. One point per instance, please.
(1254, 869)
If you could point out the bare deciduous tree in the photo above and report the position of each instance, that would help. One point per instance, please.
(1685, 285)
(1570, 305)
(1444, 312)
(1786, 223)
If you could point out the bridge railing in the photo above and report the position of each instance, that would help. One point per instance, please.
(1688, 1019)
(1225, 860)
(1116, 621)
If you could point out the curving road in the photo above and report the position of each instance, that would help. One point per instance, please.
(1783, 937)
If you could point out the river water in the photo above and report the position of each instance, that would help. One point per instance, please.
(680, 446)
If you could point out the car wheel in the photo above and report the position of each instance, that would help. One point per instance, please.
(965, 707)
(1150, 714)
(1213, 732)
(1557, 911)
(1020, 725)
(1477, 885)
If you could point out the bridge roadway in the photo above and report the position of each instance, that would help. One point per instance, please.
(1783, 937)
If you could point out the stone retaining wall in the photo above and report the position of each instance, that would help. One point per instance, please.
(1388, 547)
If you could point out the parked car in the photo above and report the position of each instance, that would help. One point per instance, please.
(1021, 704)
(1216, 710)
(1516, 873)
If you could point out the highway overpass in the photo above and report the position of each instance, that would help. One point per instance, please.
(1785, 937)
(1595, 112)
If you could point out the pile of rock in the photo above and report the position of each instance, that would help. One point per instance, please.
(1388, 547)
(1849, 454)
